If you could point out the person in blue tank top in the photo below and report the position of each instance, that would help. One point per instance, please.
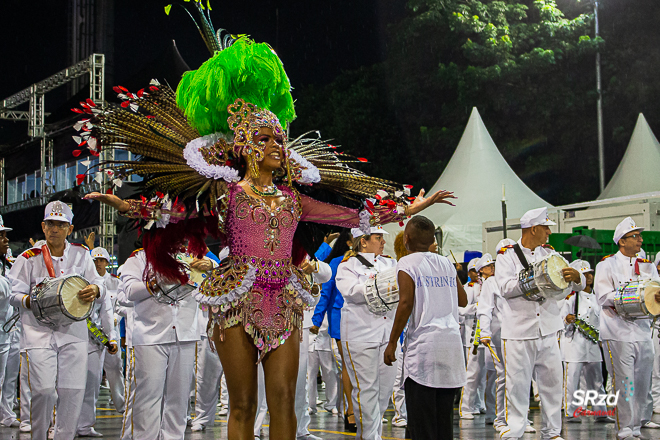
(330, 303)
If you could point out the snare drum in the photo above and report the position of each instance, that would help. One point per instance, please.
(636, 300)
(382, 292)
(54, 301)
(544, 279)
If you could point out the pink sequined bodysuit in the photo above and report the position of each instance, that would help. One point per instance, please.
(259, 287)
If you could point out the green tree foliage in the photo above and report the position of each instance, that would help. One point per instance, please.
(527, 67)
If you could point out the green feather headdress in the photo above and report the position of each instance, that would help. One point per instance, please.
(248, 70)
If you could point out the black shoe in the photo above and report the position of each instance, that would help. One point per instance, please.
(350, 427)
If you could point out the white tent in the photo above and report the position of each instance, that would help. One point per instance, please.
(476, 173)
(638, 171)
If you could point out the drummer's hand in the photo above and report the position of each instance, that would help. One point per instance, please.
(109, 199)
(331, 237)
(32, 242)
(657, 297)
(89, 240)
(27, 302)
(89, 293)
(390, 354)
(571, 275)
(570, 319)
(307, 268)
(202, 265)
(113, 348)
(485, 341)
(314, 330)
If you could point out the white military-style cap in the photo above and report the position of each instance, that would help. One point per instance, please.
(484, 261)
(581, 266)
(59, 211)
(2, 225)
(536, 217)
(472, 264)
(99, 252)
(626, 225)
(357, 232)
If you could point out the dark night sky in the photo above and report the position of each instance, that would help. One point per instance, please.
(316, 40)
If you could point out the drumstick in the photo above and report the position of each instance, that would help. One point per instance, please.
(452, 255)
(493, 352)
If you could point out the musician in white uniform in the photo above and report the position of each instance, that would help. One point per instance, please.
(581, 354)
(462, 311)
(319, 272)
(125, 309)
(102, 317)
(364, 335)
(473, 393)
(529, 331)
(8, 371)
(112, 363)
(626, 343)
(56, 356)
(320, 356)
(164, 339)
(655, 378)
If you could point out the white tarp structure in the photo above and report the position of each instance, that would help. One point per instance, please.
(638, 171)
(476, 173)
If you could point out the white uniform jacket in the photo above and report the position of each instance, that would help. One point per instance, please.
(358, 324)
(489, 309)
(521, 318)
(611, 273)
(28, 271)
(468, 314)
(6, 310)
(155, 322)
(575, 347)
(125, 308)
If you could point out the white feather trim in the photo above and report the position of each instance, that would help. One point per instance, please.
(196, 161)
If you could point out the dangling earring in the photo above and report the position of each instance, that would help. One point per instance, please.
(252, 166)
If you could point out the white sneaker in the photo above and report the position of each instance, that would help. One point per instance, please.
(308, 437)
(311, 411)
(13, 424)
(384, 420)
(91, 433)
(198, 427)
(499, 428)
(399, 423)
(223, 411)
(656, 410)
(51, 433)
(650, 425)
(319, 402)
(530, 429)
(467, 416)
(334, 411)
(25, 428)
(573, 420)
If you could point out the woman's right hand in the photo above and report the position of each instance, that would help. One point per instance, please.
(109, 199)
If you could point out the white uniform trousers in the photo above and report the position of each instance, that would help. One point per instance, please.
(54, 378)
(262, 405)
(628, 362)
(341, 399)
(163, 375)
(495, 379)
(476, 380)
(26, 395)
(592, 379)
(373, 382)
(129, 396)
(208, 372)
(325, 361)
(302, 399)
(114, 372)
(92, 388)
(8, 396)
(655, 377)
(398, 395)
(524, 359)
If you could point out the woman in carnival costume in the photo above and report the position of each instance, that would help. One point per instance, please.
(216, 160)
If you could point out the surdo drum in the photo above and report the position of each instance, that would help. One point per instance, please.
(54, 301)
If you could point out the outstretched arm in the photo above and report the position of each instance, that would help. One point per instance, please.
(162, 211)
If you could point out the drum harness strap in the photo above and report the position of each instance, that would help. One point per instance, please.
(521, 256)
(364, 261)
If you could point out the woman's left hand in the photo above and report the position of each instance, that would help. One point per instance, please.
(422, 203)
(202, 265)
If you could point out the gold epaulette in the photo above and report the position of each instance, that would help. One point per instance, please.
(471, 284)
(31, 253)
(547, 246)
(606, 257)
(115, 276)
(80, 245)
(135, 252)
(504, 249)
(643, 260)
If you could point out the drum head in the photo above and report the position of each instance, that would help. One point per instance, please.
(649, 298)
(555, 264)
(69, 291)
